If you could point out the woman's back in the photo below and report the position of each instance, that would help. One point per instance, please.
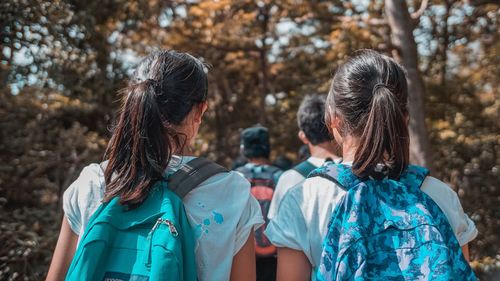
(220, 210)
(160, 115)
(309, 206)
(367, 112)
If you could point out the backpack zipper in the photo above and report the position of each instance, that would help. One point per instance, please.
(171, 227)
(173, 231)
(166, 222)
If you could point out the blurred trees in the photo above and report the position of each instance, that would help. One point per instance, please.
(62, 62)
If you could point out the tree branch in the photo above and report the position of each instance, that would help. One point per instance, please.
(420, 11)
(483, 2)
(369, 21)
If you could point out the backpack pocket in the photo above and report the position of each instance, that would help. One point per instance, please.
(264, 195)
(163, 255)
(418, 253)
(106, 252)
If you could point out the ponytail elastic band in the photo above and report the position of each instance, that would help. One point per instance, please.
(378, 86)
(151, 82)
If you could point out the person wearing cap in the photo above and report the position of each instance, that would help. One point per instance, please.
(263, 177)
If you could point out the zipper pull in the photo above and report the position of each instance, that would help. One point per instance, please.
(149, 245)
(155, 226)
(172, 228)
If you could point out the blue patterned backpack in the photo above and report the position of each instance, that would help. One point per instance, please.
(388, 230)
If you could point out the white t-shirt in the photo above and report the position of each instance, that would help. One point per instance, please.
(303, 215)
(221, 211)
(287, 180)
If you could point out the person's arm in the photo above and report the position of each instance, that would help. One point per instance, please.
(243, 268)
(448, 201)
(465, 251)
(293, 265)
(63, 254)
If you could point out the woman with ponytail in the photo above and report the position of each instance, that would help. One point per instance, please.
(160, 114)
(366, 112)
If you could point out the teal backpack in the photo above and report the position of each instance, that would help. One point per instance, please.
(151, 242)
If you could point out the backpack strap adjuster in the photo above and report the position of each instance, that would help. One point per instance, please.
(192, 174)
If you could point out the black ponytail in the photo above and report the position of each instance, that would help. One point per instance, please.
(385, 136)
(369, 94)
(165, 88)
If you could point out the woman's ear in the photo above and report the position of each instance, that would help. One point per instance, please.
(335, 125)
(302, 137)
(201, 109)
(204, 106)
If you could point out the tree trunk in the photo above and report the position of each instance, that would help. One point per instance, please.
(221, 117)
(444, 46)
(264, 86)
(402, 38)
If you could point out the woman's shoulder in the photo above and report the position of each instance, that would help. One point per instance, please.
(321, 188)
(220, 180)
(83, 196)
(437, 189)
(311, 193)
(230, 181)
(223, 187)
(232, 178)
(89, 182)
(449, 202)
(442, 194)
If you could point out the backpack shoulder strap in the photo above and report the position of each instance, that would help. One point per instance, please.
(246, 170)
(339, 174)
(276, 173)
(270, 170)
(304, 168)
(192, 174)
(414, 176)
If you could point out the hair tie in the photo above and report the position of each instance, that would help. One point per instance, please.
(151, 82)
(378, 86)
(379, 172)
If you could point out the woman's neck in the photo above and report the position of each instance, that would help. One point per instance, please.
(186, 134)
(349, 147)
(184, 150)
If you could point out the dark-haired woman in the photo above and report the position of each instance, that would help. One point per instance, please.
(161, 112)
(366, 111)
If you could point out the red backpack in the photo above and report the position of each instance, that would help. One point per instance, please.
(263, 179)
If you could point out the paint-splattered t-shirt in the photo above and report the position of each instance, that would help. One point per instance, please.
(221, 211)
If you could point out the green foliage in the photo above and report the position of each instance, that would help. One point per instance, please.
(62, 62)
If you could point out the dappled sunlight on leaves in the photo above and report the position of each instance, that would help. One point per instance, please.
(62, 64)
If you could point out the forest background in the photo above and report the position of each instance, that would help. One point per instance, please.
(62, 63)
